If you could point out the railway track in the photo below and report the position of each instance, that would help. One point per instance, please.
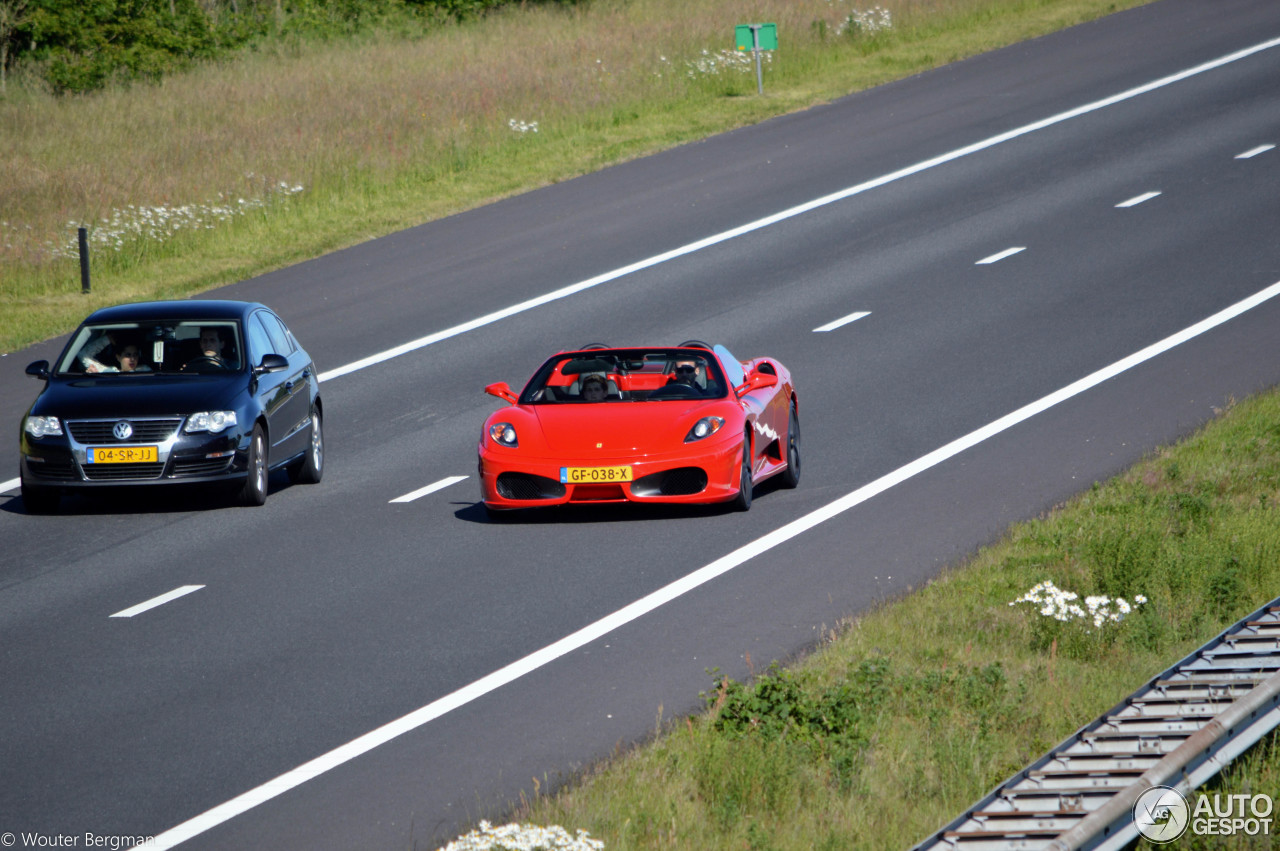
(1177, 731)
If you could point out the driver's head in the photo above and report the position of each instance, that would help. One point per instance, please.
(211, 342)
(686, 372)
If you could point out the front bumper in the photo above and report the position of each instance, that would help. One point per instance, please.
(509, 479)
(64, 461)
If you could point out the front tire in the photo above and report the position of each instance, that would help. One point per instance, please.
(254, 491)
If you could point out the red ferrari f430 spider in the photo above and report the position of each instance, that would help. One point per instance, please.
(681, 424)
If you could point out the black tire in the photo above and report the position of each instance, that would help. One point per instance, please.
(38, 500)
(310, 469)
(742, 502)
(791, 476)
(254, 491)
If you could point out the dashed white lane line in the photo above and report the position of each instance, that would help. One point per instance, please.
(1253, 152)
(996, 258)
(844, 320)
(431, 488)
(157, 601)
(1138, 199)
(11, 485)
(570, 643)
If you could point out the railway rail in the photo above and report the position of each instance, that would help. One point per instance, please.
(1178, 730)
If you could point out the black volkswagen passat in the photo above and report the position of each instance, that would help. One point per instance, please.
(173, 392)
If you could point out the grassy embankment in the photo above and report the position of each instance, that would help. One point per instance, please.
(298, 149)
(911, 713)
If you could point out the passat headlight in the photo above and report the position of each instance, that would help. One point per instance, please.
(503, 434)
(704, 427)
(210, 421)
(43, 426)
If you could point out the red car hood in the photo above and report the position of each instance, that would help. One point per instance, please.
(625, 427)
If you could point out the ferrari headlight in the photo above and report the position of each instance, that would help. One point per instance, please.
(43, 426)
(503, 434)
(210, 421)
(704, 427)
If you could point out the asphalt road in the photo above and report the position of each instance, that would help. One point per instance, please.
(358, 672)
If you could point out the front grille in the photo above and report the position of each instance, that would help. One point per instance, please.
(122, 472)
(200, 466)
(682, 481)
(528, 486)
(144, 431)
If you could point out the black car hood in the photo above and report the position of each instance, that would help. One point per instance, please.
(143, 395)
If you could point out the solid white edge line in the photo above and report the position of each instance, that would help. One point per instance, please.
(1138, 199)
(12, 484)
(432, 488)
(157, 601)
(996, 258)
(407, 723)
(1253, 152)
(523, 306)
(842, 321)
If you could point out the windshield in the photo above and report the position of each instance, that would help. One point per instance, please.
(186, 346)
(626, 375)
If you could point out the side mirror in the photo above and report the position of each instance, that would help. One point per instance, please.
(271, 363)
(759, 381)
(39, 369)
(503, 391)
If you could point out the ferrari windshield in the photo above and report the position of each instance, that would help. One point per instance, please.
(626, 375)
(187, 346)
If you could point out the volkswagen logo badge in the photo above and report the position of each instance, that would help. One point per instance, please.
(123, 430)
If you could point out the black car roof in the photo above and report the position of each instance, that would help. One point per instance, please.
(182, 309)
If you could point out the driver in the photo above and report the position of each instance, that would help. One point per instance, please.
(211, 345)
(686, 374)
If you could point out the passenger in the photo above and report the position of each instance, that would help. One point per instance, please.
(126, 351)
(594, 389)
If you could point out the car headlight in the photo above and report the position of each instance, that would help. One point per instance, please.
(704, 427)
(42, 426)
(210, 421)
(503, 434)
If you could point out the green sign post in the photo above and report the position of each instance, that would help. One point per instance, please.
(757, 37)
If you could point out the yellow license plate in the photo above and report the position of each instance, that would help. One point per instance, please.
(594, 475)
(123, 454)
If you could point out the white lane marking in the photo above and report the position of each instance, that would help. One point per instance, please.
(523, 306)
(432, 488)
(344, 753)
(1138, 199)
(844, 320)
(11, 485)
(157, 601)
(996, 258)
(1253, 152)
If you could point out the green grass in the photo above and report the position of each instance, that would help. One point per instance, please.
(388, 131)
(909, 714)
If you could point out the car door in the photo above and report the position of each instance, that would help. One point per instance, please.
(283, 395)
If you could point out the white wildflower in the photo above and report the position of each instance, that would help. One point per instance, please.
(523, 837)
(522, 126)
(1061, 605)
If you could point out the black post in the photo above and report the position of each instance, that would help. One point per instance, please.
(84, 260)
